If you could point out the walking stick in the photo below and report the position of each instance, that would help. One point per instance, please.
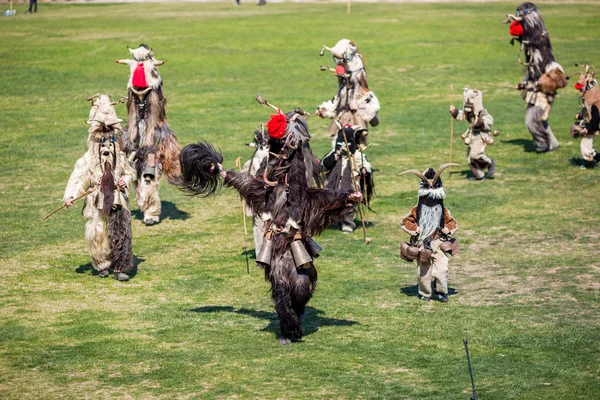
(474, 396)
(238, 164)
(64, 205)
(451, 126)
(353, 167)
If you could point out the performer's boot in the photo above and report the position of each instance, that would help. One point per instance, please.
(491, 169)
(120, 276)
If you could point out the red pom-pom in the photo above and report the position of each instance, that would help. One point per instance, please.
(139, 77)
(339, 70)
(578, 86)
(276, 125)
(516, 29)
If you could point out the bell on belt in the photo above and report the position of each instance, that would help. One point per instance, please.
(264, 254)
(313, 247)
(117, 200)
(300, 254)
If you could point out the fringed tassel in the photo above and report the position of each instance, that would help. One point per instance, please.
(107, 187)
(199, 170)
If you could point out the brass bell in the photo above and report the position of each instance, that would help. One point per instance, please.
(117, 200)
(149, 173)
(264, 254)
(300, 254)
(313, 247)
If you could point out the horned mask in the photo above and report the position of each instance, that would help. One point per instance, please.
(431, 183)
(346, 56)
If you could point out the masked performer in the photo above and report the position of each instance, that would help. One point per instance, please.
(147, 139)
(105, 173)
(588, 119)
(430, 226)
(544, 75)
(340, 172)
(354, 103)
(286, 194)
(478, 134)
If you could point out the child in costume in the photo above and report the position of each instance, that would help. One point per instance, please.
(430, 226)
(478, 134)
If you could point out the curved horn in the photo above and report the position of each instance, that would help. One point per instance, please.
(440, 170)
(322, 52)
(417, 173)
(265, 102)
(510, 18)
(267, 181)
(94, 96)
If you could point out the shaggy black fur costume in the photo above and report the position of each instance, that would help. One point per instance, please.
(119, 232)
(288, 193)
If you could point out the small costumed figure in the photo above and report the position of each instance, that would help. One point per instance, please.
(147, 139)
(430, 226)
(105, 174)
(587, 122)
(286, 193)
(346, 162)
(544, 75)
(354, 103)
(477, 137)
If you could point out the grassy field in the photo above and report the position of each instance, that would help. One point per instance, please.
(194, 322)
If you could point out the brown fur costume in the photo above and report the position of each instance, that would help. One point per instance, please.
(587, 125)
(544, 75)
(287, 194)
(108, 227)
(147, 139)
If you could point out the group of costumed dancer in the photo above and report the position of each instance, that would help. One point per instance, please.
(291, 193)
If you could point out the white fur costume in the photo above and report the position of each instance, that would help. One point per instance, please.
(103, 233)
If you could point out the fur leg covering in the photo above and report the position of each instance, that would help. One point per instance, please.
(148, 200)
(96, 238)
(541, 133)
(119, 232)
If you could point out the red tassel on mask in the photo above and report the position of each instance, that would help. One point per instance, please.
(339, 70)
(139, 77)
(516, 29)
(277, 125)
(578, 86)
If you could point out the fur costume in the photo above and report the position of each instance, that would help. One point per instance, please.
(544, 75)
(286, 192)
(147, 139)
(104, 168)
(478, 134)
(338, 171)
(430, 226)
(587, 124)
(354, 103)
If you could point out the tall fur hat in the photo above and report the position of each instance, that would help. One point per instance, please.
(103, 118)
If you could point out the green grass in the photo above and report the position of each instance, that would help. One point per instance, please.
(193, 323)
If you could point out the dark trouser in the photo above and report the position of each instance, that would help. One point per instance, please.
(31, 4)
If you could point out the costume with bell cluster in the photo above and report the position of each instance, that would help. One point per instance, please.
(477, 135)
(105, 173)
(544, 75)
(147, 139)
(343, 165)
(430, 226)
(353, 104)
(587, 124)
(286, 192)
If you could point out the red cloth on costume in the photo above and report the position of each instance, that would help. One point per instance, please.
(516, 29)
(276, 125)
(139, 77)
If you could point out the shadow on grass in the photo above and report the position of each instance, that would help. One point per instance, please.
(413, 291)
(312, 318)
(576, 162)
(87, 268)
(527, 144)
(168, 211)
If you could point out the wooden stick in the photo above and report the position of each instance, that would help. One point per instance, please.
(348, 6)
(64, 205)
(238, 164)
(353, 167)
(451, 127)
